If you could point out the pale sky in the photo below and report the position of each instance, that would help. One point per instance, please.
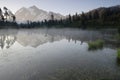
(59, 6)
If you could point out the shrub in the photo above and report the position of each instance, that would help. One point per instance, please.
(98, 44)
(118, 53)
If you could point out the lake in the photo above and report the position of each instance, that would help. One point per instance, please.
(57, 54)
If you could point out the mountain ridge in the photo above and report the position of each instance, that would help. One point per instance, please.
(33, 13)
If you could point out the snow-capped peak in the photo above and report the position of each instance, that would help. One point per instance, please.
(33, 13)
(33, 7)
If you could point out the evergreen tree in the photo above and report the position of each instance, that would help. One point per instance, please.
(70, 18)
(14, 18)
(0, 13)
(102, 15)
(6, 13)
(52, 17)
(83, 18)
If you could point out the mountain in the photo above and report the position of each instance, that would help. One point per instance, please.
(35, 14)
(112, 8)
(97, 18)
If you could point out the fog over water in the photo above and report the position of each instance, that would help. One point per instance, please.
(39, 54)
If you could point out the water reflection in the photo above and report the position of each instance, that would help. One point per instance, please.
(36, 54)
(7, 41)
(35, 38)
(118, 62)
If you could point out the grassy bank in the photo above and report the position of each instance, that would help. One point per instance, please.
(98, 44)
(118, 53)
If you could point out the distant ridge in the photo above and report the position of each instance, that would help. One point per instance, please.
(33, 13)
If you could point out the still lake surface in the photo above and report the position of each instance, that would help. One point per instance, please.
(57, 54)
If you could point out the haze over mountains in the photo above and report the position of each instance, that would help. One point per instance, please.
(35, 14)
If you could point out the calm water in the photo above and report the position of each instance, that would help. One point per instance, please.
(56, 54)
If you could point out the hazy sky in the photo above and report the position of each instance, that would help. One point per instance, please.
(60, 6)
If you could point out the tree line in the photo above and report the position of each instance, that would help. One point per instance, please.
(97, 18)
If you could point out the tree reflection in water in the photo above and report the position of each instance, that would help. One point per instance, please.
(6, 41)
(118, 61)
